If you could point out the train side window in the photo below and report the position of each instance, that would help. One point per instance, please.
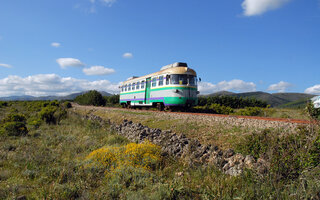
(192, 80)
(133, 86)
(160, 81)
(154, 82)
(142, 84)
(129, 87)
(167, 79)
(121, 89)
(138, 85)
(125, 88)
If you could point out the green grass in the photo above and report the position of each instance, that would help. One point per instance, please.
(49, 163)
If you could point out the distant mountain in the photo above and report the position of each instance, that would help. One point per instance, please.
(43, 98)
(275, 99)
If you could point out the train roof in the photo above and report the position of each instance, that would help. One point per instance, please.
(173, 69)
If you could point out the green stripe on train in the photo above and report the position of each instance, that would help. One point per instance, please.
(164, 88)
(168, 100)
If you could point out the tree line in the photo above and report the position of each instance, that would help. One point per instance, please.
(231, 101)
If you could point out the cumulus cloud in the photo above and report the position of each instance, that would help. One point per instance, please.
(280, 87)
(313, 90)
(127, 55)
(98, 70)
(55, 44)
(234, 85)
(51, 84)
(5, 65)
(258, 7)
(69, 62)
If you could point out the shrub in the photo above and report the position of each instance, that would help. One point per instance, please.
(52, 115)
(35, 122)
(14, 125)
(67, 104)
(92, 97)
(15, 117)
(47, 114)
(289, 155)
(143, 156)
(250, 111)
(313, 112)
(3, 104)
(231, 101)
(112, 100)
(214, 108)
(15, 128)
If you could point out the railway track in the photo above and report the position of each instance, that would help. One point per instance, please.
(286, 120)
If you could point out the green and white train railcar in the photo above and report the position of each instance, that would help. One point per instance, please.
(174, 86)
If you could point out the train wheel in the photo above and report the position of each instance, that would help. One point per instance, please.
(168, 108)
(160, 106)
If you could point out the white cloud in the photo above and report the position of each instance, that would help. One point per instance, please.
(5, 65)
(280, 87)
(98, 70)
(127, 55)
(234, 85)
(313, 90)
(258, 7)
(69, 62)
(55, 44)
(51, 84)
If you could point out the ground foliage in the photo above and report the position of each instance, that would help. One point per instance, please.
(53, 162)
(92, 97)
(230, 101)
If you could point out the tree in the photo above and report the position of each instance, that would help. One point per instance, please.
(92, 97)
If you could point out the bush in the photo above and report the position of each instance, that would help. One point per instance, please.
(3, 104)
(47, 114)
(112, 100)
(214, 108)
(250, 111)
(92, 97)
(289, 155)
(15, 128)
(67, 104)
(143, 156)
(231, 101)
(14, 117)
(313, 112)
(52, 114)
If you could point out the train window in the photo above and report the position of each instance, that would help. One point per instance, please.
(129, 87)
(142, 84)
(167, 79)
(160, 81)
(121, 88)
(133, 86)
(192, 80)
(138, 85)
(125, 88)
(154, 82)
(179, 79)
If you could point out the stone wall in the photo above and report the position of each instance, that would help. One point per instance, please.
(179, 146)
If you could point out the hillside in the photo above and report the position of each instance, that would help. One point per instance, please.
(275, 99)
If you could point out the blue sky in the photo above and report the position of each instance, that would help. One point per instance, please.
(59, 47)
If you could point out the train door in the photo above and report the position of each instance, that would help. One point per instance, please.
(147, 93)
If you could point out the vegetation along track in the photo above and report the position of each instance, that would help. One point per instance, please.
(223, 129)
(285, 120)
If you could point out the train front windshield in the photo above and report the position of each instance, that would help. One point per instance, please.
(183, 79)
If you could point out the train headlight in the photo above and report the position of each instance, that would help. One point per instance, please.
(176, 91)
